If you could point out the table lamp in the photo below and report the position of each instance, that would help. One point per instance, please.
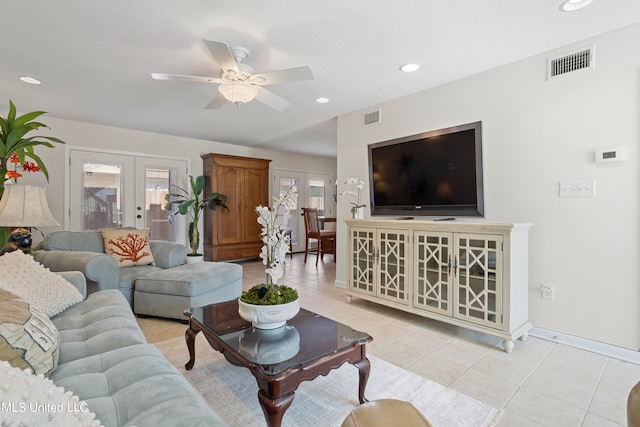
(25, 206)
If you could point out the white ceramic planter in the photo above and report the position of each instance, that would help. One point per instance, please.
(268, 316)
(194, 259)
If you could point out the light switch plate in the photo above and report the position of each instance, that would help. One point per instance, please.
(578, 188)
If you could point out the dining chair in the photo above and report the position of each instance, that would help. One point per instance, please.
(324, 239)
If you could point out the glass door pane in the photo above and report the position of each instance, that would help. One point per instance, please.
(283, 180)
(154, 179)
(317, 195)
(157, 218)
(101, 196)
(98, 196)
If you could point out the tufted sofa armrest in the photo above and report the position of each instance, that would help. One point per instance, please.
(99, 268)
(168, 254)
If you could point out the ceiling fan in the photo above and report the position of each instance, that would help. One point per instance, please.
(238, 83)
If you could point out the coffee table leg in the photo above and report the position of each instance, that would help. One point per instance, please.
(364, 367)
(190, 337)
(274, 409)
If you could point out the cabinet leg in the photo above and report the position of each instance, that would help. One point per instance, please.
(524, 336)
(507, 345)
(349, 298)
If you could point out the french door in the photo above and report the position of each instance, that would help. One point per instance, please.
(314, 191)
(118, 190)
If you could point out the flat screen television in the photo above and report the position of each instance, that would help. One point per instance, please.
(437, 173)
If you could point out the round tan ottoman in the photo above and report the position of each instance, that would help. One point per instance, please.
(385, 412)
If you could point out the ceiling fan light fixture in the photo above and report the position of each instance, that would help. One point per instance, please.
(571, 5)
(238, 92)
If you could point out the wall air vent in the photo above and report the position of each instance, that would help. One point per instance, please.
(574, 61)
(371, 118)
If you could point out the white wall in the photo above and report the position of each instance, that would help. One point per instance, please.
(536, 133)
(92, 136)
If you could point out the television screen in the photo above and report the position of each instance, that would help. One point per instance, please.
(431, 174)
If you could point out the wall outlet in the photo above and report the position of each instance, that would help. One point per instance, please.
(547, 292)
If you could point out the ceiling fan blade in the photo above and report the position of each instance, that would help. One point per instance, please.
(272, 100)
(199, 79)
(217, 102)
(222, 54)
(284, 76)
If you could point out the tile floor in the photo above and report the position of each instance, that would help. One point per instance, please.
(540, 384)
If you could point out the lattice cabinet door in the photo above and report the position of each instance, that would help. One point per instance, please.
(393, 267)
(433, 254)
(363, 259)
(478, 269)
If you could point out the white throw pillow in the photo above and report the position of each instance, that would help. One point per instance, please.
(47, 291)
(29, 400)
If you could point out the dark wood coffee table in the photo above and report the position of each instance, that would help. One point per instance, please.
(313, 345)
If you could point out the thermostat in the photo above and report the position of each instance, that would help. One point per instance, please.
(610, 155)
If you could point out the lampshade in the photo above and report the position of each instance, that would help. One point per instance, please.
(238, 92)
(25, 206)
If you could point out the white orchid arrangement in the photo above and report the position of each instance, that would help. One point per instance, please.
(359, 185)
(274, 235)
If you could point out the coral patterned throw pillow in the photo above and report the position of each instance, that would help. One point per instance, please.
(128, 247)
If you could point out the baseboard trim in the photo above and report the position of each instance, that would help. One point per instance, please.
(340, 284)
(609, 350)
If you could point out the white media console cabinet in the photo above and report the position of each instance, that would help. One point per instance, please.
(472, 274)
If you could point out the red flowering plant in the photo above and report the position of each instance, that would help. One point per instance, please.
(26, 166)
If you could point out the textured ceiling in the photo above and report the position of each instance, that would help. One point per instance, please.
(95, 57)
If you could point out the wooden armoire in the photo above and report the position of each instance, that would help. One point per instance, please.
(234, 234)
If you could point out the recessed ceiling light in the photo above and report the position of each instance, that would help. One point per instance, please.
(571, 5)
(30, 80)
(409, 68)
(322, 100)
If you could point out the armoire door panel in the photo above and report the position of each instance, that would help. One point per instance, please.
(227, 223)
(256, 187)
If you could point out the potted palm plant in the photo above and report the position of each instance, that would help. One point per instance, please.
(269, 305)
(192, 203)
(15, 148)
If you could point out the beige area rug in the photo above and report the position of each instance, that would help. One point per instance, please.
(232, 392)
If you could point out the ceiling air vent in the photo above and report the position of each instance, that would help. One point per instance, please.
(371, 118)
(574, 61)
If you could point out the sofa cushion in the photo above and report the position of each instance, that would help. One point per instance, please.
(127, 276)
(135, 385)
(101, 323)
(189, 279)
(84, 241)
(25, 277)
(28, 339)
(128, 247)
(15, 384)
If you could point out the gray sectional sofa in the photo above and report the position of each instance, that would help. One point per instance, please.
(165, 289)
(105, 360)
(84, 251)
